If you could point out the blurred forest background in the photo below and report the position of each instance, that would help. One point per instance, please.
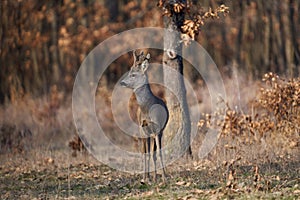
(44, 42)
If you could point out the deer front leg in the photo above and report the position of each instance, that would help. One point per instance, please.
(145, 149)
(145, 132)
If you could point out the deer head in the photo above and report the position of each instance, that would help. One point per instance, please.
(137, 76)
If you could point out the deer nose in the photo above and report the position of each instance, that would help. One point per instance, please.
(123, 83)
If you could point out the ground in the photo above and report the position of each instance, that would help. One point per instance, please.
(58, 175)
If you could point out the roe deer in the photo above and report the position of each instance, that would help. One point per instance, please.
(152, 114)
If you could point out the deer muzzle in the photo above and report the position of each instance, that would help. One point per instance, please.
(122, 83)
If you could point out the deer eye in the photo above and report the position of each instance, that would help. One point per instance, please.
(132, 75)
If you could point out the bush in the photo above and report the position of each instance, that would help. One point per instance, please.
(273, 124)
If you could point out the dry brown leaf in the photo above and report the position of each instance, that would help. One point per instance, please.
(296, 192)
(180, 183)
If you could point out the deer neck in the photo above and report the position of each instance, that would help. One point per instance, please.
(143, 95)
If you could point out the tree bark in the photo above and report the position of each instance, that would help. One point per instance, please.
(177, 133)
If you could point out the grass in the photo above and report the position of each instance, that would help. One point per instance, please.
(84, 178)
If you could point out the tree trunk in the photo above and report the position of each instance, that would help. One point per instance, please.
(177, 133)
(113, 7)
(55, 50)
(288, 47)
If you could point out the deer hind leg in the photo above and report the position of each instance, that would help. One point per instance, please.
(153, 155)
(158, 143)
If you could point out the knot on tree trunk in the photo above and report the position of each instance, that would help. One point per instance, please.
(171, 54)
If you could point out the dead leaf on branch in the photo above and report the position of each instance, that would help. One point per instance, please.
(178, 7)
(215, 14)
(191, 27)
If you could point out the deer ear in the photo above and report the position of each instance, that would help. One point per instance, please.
(144, 66)
(134, 55)
(148, 56)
